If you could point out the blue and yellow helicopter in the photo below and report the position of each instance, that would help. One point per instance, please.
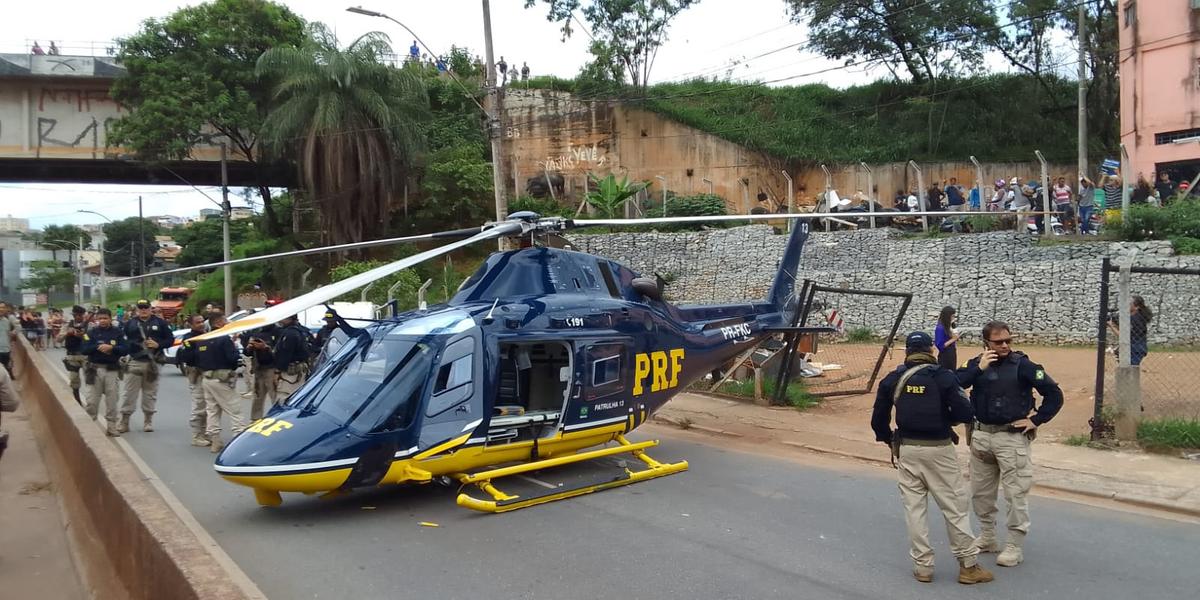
(544, 357)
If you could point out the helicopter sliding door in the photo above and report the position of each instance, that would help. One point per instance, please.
(534, 385)
(455, 399)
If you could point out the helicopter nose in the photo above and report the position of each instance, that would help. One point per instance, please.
(278, 454)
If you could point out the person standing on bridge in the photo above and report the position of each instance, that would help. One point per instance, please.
(10, 328)
(217, 359)
(72, 339)
(187, 357)
(290, 358)
(1002, 381)
(928, 402)
(148, 336)
(104, 345)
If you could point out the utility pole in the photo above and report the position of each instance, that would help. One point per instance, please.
(225, 214)
(495, 108)
(103, 282)
(79, 265)
(1081, 28)
(141, 256)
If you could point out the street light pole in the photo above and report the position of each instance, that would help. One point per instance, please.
(79, 266)
(103, 284)
(225, 215)
(493, 109)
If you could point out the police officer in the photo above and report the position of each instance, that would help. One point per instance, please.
(1002, 382)
(72, 339)
(257, 346)
(148, 336)
(217, 359)
(290, 357)
(187, 357)
(103, 345)
(928, 403)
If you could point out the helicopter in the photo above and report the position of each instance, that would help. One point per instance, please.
(544, 357)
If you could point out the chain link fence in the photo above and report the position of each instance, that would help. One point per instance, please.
(1168, 361)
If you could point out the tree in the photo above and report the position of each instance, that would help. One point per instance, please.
(123, 239)
(608, 195)
(352, 123)
(626, 34)
(53, 236)
(203, 242)
(1104, 88)
(190, 80)
(925, 38)
(406, 293)
(1025, 41)
(46, 276)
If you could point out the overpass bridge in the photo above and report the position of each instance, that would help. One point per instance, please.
(55, 115)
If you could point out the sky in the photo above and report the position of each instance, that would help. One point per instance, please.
(742, 39)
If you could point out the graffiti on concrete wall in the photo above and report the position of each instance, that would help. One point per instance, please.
(75, 118)
(592, 156)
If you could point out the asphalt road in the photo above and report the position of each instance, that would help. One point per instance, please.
(736, 525)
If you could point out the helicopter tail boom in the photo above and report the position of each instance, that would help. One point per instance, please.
(783, 290)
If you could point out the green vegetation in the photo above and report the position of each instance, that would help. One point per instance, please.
(860, 334)
(124, 239)
(1186, 245)
(1177, 220)
(546, 207)
(1169, 433)
(698, 205)
(797, 393)
(191, 74)
(1078, 440)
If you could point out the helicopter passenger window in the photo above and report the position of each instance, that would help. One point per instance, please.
(606, 370)
(609, 281)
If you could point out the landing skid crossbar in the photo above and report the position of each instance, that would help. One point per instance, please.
(502, 502)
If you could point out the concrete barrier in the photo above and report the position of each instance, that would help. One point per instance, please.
(131, 541)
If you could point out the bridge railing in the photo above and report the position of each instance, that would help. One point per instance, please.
(65, 47)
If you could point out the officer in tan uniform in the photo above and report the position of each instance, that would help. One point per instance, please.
(218, 359)
(104, 345)
(72, 338)
(1002, 381)
(147, 335)
(928, 402)
(187, 357)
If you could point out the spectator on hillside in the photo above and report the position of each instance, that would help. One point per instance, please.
(503, 68)
(524, 71)
(1061, 193)
(1017, 198)
(933, 198)
(1164, 187)
(53, 50)
(1141, 192)
(1087, 202)
(37, 49)
(414, 53)
(1112, 191)
(999, 194)
(900, 202)
(954, 197)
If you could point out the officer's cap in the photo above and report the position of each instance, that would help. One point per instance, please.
(143, 303)
(917, 341)
(78, 310)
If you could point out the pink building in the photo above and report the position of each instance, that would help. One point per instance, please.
(1160, 85)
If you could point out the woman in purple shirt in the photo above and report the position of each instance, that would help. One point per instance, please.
(945, 339)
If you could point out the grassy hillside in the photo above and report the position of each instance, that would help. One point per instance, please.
(996, 117)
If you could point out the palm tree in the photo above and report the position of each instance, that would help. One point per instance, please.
(352, 123)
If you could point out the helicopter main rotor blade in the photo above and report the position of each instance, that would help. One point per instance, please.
(324, 294)
(457, 233)
(780, 216)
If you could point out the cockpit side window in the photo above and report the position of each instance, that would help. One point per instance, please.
(454, 380)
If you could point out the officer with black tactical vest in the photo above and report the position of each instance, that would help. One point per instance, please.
(217, 358)
(104, 345)
(198, 420)
(72, 339)
(928, 403)
(1002, 381)
(257, 346)
(148, 336)
(290, 357)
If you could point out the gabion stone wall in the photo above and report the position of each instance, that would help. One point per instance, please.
(1048, 293)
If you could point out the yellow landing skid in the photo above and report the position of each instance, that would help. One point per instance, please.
(502, 502)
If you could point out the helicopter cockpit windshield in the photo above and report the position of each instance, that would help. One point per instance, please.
(374, 382)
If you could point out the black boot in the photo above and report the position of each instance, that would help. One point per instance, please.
(75, 393)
